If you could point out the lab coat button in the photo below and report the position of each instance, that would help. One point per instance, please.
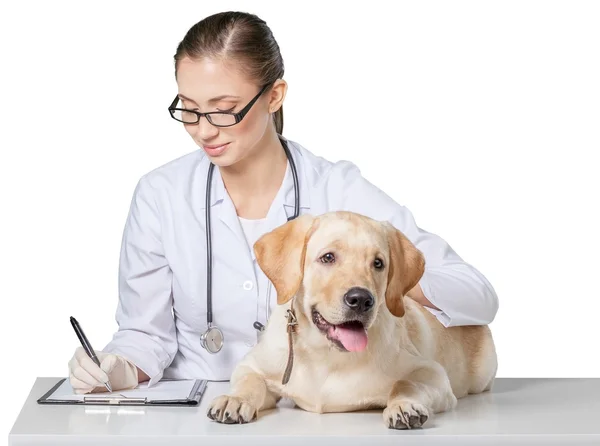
(248, 285)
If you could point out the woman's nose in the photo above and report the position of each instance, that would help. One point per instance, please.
(205, 130)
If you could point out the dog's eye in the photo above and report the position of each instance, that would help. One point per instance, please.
(378, 263)
(328, 258)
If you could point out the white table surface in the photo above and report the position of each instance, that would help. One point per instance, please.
(527, 411)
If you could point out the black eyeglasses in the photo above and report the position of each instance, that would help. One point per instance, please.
(218, 119)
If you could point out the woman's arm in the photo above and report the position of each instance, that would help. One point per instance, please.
(146, 335)
(455, 291)
(417, 295)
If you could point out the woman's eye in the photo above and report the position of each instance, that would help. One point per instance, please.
(328, 258)
(217, 110)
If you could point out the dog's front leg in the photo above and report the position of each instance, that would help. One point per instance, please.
(248, 395)
(426, 390)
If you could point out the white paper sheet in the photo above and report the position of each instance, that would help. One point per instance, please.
(163, 390)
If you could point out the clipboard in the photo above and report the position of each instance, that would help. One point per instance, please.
(198, 387)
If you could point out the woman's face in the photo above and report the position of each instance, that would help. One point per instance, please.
(212, 85)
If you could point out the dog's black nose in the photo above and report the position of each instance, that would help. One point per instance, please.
(359, 299)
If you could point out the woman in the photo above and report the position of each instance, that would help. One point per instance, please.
(230, 63)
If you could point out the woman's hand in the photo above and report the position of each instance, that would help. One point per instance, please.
(86, 377)
(417, 295)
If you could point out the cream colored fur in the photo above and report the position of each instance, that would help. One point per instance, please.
(412, 367)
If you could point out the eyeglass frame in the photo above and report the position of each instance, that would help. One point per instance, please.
(237, 116)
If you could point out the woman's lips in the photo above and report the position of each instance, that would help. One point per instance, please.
(215, 150)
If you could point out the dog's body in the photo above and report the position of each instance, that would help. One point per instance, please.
(393, 355)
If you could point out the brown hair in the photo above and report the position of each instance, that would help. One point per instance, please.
(240, 37)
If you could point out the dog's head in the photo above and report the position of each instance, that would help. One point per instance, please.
(343, 267)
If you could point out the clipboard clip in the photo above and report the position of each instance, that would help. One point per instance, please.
(115, 400)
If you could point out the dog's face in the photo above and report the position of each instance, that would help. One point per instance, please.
(345, 268)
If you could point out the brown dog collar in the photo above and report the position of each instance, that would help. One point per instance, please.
(291, 324)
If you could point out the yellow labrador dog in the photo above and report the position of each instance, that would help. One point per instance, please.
(345, 337)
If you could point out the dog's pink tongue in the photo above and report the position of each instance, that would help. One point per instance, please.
(354, 339)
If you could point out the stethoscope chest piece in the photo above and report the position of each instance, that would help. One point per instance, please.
(212, 340)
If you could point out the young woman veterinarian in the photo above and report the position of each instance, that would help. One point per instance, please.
(191, 295)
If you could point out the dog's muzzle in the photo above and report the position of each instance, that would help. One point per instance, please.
(349, 334)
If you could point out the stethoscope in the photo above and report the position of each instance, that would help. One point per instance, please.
(212, 339)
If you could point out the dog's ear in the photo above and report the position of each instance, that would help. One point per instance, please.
(280, 254)
(406, 267)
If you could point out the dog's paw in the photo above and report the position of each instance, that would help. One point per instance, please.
(405, 415)
(231, 410)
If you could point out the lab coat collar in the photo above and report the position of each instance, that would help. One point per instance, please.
(218, 191)
(283, 204)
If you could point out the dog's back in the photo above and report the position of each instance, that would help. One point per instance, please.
(467, 353)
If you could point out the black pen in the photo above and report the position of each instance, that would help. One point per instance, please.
(87, 346)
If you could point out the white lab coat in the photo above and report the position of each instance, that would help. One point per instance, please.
(162, 273)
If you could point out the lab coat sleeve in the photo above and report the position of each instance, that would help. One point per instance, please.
(146, 334)
(463, 294)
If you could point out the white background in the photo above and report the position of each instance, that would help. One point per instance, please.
(481, 117)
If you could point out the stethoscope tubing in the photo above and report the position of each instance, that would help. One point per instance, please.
(209, 315)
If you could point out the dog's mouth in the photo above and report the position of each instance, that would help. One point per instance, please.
(348, 336)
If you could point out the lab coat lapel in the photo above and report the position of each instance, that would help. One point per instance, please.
(228, 215)
(233, 240)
